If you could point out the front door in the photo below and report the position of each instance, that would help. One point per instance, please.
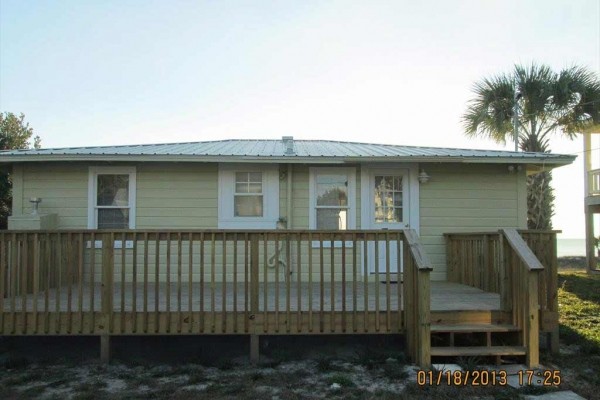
(388, 209)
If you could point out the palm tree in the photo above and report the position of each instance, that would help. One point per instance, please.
(567, 103)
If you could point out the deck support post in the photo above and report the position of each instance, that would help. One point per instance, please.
(254, 348)
(105, 349)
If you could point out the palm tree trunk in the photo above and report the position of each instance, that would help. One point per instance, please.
(540, 196)
(540, 201)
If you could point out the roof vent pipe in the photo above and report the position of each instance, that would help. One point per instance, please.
(288, 142)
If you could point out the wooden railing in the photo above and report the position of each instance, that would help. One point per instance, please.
(474, 259)
(522, 290)
(594, 182)
(214, 282)
(482, 260)
(417, 300)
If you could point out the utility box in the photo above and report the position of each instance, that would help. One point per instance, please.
(30, 222)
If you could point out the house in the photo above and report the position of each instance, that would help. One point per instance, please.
(278, 236)
(591, 199)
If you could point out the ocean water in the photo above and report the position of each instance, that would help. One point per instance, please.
(570, 247)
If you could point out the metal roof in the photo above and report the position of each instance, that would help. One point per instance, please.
(286, 150)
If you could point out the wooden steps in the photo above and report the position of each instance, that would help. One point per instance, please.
(484, 344)
(478, 351)
(469, 328)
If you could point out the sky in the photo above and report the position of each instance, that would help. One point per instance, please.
(89, 73)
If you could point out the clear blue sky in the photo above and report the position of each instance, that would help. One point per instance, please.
(117, 72)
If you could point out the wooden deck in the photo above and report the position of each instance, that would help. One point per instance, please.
(445, 296)
(281, 282)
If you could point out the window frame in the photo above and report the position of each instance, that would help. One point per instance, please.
(226, 194)
(93, 192)
(350, 172)
(260, 194)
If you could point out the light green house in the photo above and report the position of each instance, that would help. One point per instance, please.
(263, 237)
(269, 184)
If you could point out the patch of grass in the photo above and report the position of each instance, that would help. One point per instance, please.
(371, 359)
(256, 376)
(196, 377)
(58, 382)
(225, 364)
(414, 391)
(91, 385)
(579, 308)
(163, 371)
(325, 364)
(33, 392)
(269, 363)
(282, 355)
(341, 379)
(579, 304)
(11, 361)
(141, 380)
(533, 390)
(394, 371)
(469, 363)
(23, 378)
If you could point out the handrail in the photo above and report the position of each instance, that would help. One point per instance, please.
(417, 299)
(522, 271)
(523, 251)
(417, 250)
(447, 234)
(502, 262)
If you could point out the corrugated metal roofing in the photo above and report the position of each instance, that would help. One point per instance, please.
(269, 149)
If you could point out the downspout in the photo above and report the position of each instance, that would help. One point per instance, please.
(289, 216)
(289, 197)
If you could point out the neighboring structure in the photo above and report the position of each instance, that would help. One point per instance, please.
(591, 159)
(262, 236)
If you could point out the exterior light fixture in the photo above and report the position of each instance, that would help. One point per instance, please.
(512, 169)
(423, 177)
(35, 202)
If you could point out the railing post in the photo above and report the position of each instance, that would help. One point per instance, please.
(532, 325)
(108, 258)
(485, 273)
(450, 259)
(417, 299)
(254, 293)
(424, 319)
(505, 283)
(552, 295)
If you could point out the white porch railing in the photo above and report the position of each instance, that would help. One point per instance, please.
(594, 182)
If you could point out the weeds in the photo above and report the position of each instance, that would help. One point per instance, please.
(340, 379)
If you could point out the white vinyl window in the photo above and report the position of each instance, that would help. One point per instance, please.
(332, 194)
(111, 198)
(248, 196)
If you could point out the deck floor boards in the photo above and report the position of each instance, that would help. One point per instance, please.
(445, 296)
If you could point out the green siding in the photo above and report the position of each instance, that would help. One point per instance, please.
(177, 196)
(466, 198)
(458, 197)
(63, 188)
